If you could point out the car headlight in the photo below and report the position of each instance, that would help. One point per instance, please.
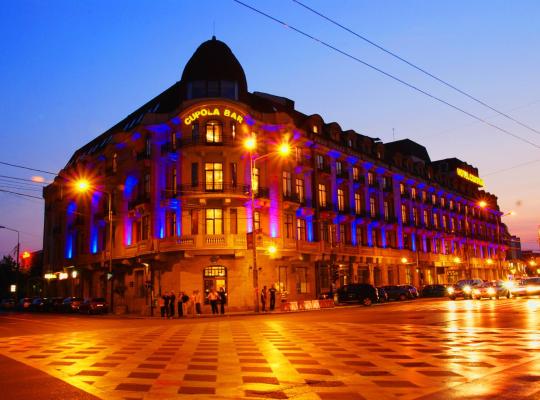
(533, 288)
(491, 290)
(476, 291)
(450, 290)
(509, 285)
(467, 289)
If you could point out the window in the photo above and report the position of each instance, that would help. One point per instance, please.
(401, 188)
(256, 179)
(145, 227)
(148, 147)
(300, 190)
(214, 132)
(298, 154)
(424, 196)
(289, 220)
(147, 184)
(413, 193)
(195, 132)
(194, 174)
(115, 163)
(194, 217)
(234, 221)
(320, 161)
(173, 141)
(386, 211)
(234, 174)
(341, 199)
(360, 234)
(214, 277)
(287, 183)
(404, 214)
(282, 279)
(433, 199)
(358, 203)
(233, 131)
(415, 215)
(387, 183)
(445, 222)
(339, 168)
(214, 221)
(300, 229)
(214, 176)
(435, 221)
(315, 129)
(372, 207)
(325, 230)
(426, 218)
(370, 178)
(451, 204)
(322, 195)
(171, 223)
(257, 221)
(342, 233)
(356, 174)
(301, 280)
(443, 201)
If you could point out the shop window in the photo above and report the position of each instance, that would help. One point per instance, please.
(301, 280)
(214, 277)
(282, 284)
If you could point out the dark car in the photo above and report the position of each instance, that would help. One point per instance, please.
(362, 293)
(71, 304)
(383, 296)
(7, 304)
(412, 289)
(37, 304)
(24, 303)
(463, 288)
(434, 291)
(95, 305)
(52, 304)
(398, 292)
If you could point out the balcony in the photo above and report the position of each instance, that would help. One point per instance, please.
(139, 200)
(215, 187)
(324, 168)
(343, 174)
(262, 193)
(326, 207)
(291, 197)
(224, 140)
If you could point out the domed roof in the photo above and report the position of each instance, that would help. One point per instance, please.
(214, 61)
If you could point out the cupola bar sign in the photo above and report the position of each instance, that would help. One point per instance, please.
(213, 112)
(470, 177)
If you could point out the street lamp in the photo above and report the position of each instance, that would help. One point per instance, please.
(82, 186)
(18, 265)
(283, 150)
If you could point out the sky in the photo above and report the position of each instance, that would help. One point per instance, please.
(69, 70)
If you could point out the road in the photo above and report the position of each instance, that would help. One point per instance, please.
(423, 349)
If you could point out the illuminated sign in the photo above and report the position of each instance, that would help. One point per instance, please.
(470, 177)
(211, 112)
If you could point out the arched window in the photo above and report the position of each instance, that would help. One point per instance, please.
(214, 132)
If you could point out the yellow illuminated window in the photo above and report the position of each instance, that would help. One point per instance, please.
(214, 132)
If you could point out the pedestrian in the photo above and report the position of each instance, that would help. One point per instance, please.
(180, 304)
(272, 291)
(172, 303)
(162, 306)
(197, 301)
(185, 303)
(213, 298)
(264, 296)
(222, 299)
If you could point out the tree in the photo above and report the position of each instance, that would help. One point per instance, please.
(8, 275)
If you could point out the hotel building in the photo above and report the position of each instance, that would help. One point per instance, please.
(341, 208)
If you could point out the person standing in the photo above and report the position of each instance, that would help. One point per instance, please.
(185, 302)
(180, 304)
(172, 303)
(222, 299)
(264, 297)
(213, 297)
(197, 300)
(166, 298)
(162, 306)
(272, 291)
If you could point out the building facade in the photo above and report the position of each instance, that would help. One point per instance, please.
(342, 207)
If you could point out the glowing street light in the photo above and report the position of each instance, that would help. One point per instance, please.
(284, 149)
(404, 260)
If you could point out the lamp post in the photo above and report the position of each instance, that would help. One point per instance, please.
(251, 144)
(82, 186)
(17, 262)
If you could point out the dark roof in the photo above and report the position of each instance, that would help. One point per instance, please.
(407, 148)
(214, 61)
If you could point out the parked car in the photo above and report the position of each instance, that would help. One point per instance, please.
(434, 291)
(527, 287)
(463, 288)
(398, 292)
(7, 304)
(383, 296)
(52, 304)
(95, 305)
(71, 304)
(362, 293)
(412, 289)
(24, 303)
(37, 304)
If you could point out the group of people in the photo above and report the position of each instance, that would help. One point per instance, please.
(268, 293)
(191, 304)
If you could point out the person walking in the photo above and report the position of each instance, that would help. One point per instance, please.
(185, 303)
(166, 298)
(222, 299)
(162, 306)
(264, 297)
(213, 298)
(272, 291)
(172, 303)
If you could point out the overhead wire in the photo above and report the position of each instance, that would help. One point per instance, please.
(20, 194)
(346, 54)
(411, 64)
(28, 168)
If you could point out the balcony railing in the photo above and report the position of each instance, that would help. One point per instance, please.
(292, 197)
(326, 207)
(224, 140)
(213, 187)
